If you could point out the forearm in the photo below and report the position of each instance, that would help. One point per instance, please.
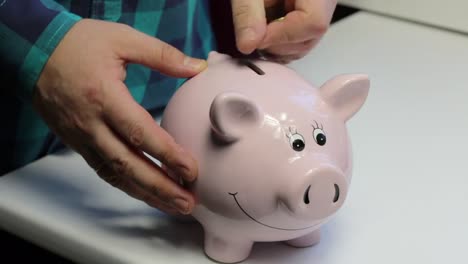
(29, 33)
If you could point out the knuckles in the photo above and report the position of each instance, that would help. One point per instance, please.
(286, 37)
(121, 166)
(117, 171)
(113, 179)
(136, 134)
(168, 54)
(240, 14)
(93, 94)
(162, 195)
(81, 125)
(316, 27)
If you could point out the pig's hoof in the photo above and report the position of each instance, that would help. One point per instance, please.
(308, 240)
(226, 251)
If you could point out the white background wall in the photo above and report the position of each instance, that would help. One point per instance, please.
(451, 14)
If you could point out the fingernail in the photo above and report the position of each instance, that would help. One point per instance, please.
(248, 34)
(186, 173)
(195, 64)
(246, 41)
(181, 205)
(185, 170)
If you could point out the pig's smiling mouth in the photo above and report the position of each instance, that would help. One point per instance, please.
(279, 228)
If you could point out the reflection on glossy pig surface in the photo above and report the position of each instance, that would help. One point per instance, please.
(273, 151)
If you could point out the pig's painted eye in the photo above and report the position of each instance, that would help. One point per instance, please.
(297, 142)
(319, 136)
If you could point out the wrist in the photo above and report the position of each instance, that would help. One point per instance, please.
(40, 52)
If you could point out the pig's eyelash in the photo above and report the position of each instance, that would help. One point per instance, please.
(317, 125)
(292, 131)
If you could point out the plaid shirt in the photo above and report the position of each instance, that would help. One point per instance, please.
(31, 29)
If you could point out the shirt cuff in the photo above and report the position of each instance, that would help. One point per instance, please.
(41, 50)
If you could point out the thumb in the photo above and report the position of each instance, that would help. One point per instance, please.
(249, 23)
(143, 49)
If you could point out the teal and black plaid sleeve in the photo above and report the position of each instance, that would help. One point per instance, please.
(29, 33)
(185, 24)
(30, 30)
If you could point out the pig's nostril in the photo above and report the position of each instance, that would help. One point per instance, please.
(337, 193)
(306, 195)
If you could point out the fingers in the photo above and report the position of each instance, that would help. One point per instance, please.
(141, 194)
(135, 191)
(136, 126)
(105, 170)
(281, 59)
(133, 173)
(293, 48)
(287, 30)
(140, 48)
(249, 23)
(309, 20)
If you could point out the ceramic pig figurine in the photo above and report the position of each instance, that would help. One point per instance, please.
(273, 152)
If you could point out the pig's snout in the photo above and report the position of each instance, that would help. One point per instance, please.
(320, 194)
(335, 198)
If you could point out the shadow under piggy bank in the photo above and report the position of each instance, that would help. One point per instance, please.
(109, 211)
(189, 236)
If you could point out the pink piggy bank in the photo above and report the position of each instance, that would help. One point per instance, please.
(273, 152)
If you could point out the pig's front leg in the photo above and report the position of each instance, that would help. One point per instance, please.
(225, 249)
(308, 240)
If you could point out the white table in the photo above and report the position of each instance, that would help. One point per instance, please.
(450, 14)
(409, 197)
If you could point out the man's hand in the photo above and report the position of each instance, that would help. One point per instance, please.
(82, 96)
(287, 39)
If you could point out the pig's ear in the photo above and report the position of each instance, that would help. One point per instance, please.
(233, 115)
(346, 93)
